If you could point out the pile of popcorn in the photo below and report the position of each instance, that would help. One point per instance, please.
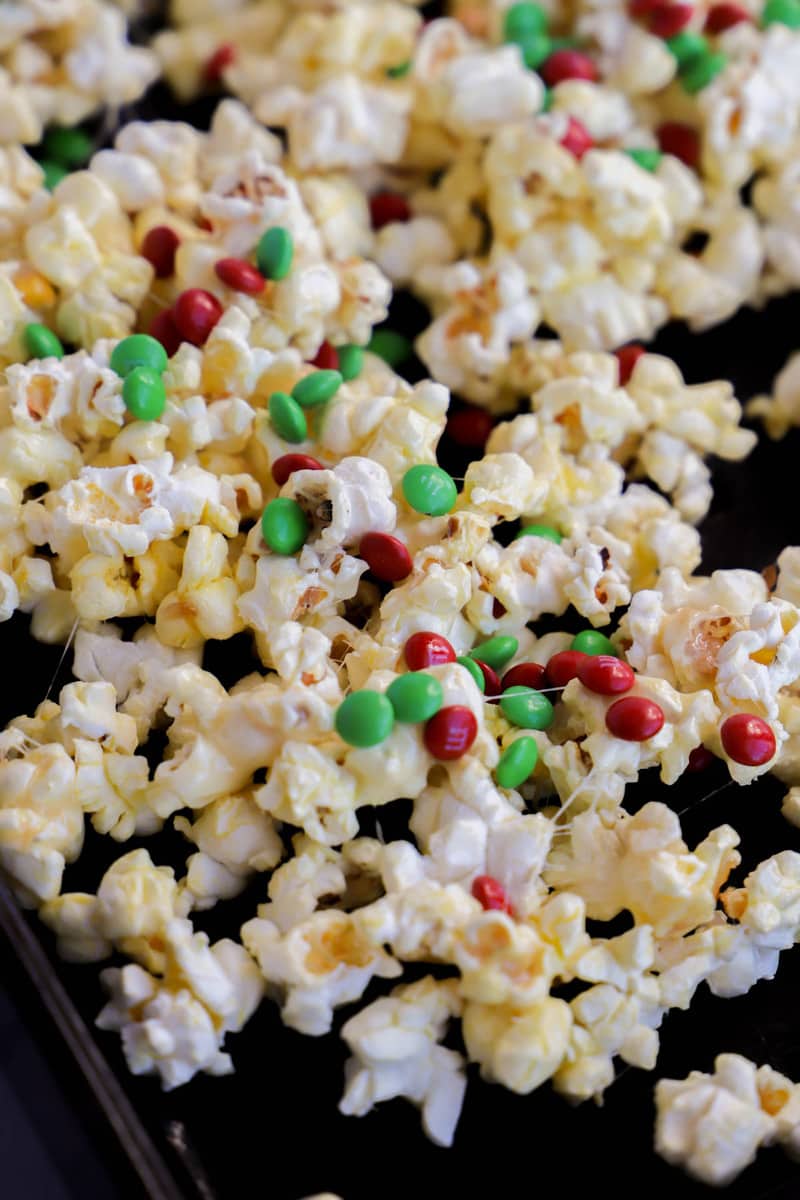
(203, 432)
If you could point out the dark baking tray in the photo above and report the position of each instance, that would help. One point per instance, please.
(273, 1129)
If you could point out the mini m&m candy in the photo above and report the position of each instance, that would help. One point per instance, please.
(415, 697)
(634, 718)
(275, 253)
(517, 762)
(450, 733)
(429, 490)
(386, 556)
(284, 526)
(747, 739)
(425, 649)
(490, 894)
(364, 718)
(143, 394)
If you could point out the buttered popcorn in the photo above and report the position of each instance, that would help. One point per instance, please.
(204, 434)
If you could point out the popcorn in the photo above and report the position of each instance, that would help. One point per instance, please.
(322, 962)
(714, 1124)
(62, 62)
(234, 838)
(395, 1053)
(519, 1047)
(345, 503)
(126, 509)
(640, 863)
(176, 1026)
(134, 903)
(204, 603)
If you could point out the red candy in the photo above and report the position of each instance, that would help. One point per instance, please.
(747, 739)
(326, 358)
(627, 357)
(158, 247)
(525, 675)
(606, 675)
(634, 719)
(700, 759)
(428, 650)
(386, 207)
(491, 680)
(665, 20)
(470, 427)
(240, 275)
(287, 464)
(563, 666)
(195, 313)
(490, 894)
(725, 16)
(387, 558)
(224, 56)
(680, 140)
(568, 64)
(164, 330)
(451, 732)
(577, 139)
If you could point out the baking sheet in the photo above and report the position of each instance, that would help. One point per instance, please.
(273, 1129)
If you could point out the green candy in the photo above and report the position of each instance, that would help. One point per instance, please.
(527, 708)
(685, 46)
(547, 99)
(144, 394)
(781, 12)
(41, 342)
(517, 762)
(536, 49)
(497, 651)
(699, 73)
(523, 19)
(415, 697)
(646, 158)
(284, 525)
(351, 362)
(274, 253)
(317, 388)
(288, 418)
(474, 670)
(543, 531)
(53, 173)
(68, 146)
(364, 718)
(392, 347)
(591, 641)
(138, 350)
(400, 70)
(429, 490)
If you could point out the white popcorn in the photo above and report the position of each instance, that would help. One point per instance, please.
(127, 508)
(322, 962)
(343, 123)
(395, 1053)
(345, 503)
(640, 863)
(714, 1124)
(175, 1027)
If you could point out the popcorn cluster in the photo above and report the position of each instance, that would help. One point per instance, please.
(202, 431)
